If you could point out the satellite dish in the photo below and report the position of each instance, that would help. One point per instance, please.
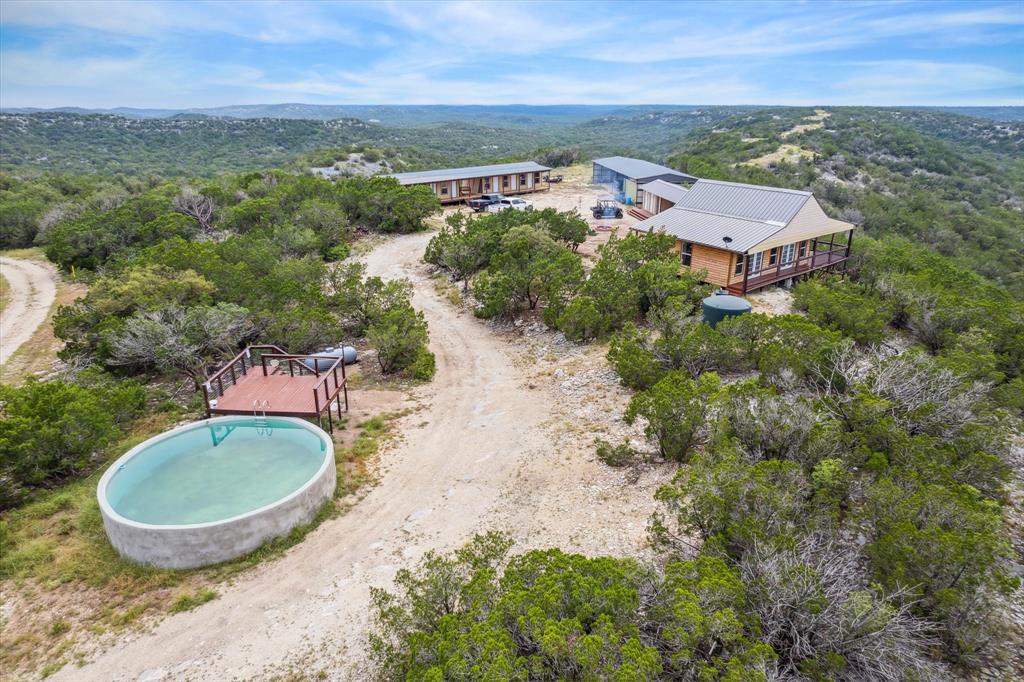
(727, 240)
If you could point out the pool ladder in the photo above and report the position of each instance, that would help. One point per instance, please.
(259, 413)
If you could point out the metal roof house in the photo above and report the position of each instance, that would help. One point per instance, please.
(452, 185)
(745, 237)
(627, 174)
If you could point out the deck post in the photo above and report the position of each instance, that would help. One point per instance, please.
(206, 399)
(746, 273)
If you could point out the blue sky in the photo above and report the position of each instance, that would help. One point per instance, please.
(182, 54)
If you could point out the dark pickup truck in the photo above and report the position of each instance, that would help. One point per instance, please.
(483, 201)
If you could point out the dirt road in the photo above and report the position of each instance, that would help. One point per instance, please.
(33, 289)
(480, 453)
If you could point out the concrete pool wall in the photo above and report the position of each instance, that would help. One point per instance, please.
(202, 544)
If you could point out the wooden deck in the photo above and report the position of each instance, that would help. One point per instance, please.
(802, 266)
(286, 395)
(265, 381)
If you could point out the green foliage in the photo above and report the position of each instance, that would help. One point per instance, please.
(53, 430)
(840, 307)
(381, 204)
(633, 359)
(551, 615)
(945, 541)
(88, 240)
(614, 455)
(581, 320)
(675, 410)
(528, 267)
(400, 336)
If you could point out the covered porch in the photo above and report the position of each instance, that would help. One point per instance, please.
(824, 253)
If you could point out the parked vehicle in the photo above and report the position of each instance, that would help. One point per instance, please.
(507, 204)
(606, 208)
(483, 201)
(555, 178)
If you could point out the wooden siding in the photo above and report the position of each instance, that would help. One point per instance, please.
(716, 262)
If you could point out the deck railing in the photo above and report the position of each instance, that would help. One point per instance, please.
(812, 261)
(228, 375)
(329, 385)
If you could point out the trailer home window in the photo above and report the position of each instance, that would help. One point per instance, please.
(686, 254)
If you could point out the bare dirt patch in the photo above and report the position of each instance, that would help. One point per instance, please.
(772, 301)
(790, 153)
(816, 121)
(31, 291)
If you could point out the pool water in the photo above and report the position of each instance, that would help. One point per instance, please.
(216, 471)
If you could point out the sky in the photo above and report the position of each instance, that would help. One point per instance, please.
(202, 54)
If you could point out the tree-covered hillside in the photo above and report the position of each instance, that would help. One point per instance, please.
(952, 182)
(199, 145)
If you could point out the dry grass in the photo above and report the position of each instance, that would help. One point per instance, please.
(817, 121)
(790, 153)
(5, 292)
(65, 587)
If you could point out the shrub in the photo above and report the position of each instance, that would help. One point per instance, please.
(614, 455)
(556, 616)
(423, 366)
(633, 360)
(837, 305)
(400, 336)
(675, 409)
(581, 320)
(52, 430)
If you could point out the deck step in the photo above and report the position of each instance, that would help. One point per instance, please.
(638, 213)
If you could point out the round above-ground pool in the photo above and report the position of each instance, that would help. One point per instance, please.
(213, 490)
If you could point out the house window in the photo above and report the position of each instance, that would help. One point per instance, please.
(788, 252)
(739, 264)
(686, 253)
(755, 263)
(803, 249)
(444, 189)
(504, 181)
(773, 256)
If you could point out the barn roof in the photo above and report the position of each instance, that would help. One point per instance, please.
(638, 169)
(444, 174)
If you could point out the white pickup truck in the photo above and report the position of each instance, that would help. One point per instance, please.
(508, 204)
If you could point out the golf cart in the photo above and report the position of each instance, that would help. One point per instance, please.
(606, 208)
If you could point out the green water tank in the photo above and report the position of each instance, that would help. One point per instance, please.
(719, 307)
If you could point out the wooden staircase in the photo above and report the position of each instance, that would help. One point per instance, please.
(638, 213)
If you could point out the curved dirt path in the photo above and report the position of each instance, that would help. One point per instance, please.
(485, 450)
(456, 454)
(33, 290)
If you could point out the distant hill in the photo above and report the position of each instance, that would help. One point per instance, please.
(510, 115)
(195, 143)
